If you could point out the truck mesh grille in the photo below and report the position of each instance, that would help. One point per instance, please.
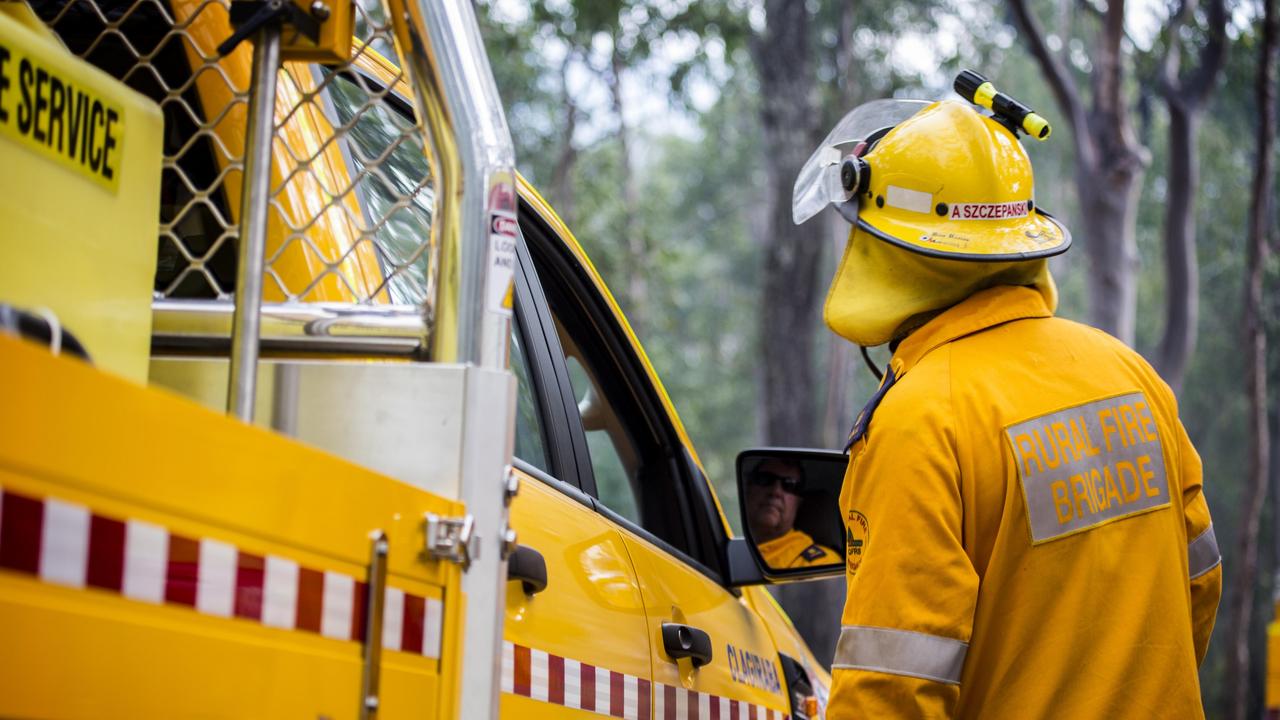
(352, 197)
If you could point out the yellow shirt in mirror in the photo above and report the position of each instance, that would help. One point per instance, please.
(796, 550)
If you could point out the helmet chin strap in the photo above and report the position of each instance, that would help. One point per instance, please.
(871, 364)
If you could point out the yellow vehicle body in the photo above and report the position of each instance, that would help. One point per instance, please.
(158, 559)
(104, 453)
(218, 640)
(1272, 696)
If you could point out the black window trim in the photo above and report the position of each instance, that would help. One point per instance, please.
(558, 253)
(562, 426)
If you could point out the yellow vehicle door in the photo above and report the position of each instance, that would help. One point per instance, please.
(712, 655)
(575, 635)
(158, 559)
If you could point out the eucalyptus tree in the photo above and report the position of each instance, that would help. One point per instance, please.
(1261, 236)
(1186, 86)
(1109, 159)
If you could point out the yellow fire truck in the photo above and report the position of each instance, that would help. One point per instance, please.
(362, 433)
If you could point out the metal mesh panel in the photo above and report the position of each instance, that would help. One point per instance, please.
(352, 197)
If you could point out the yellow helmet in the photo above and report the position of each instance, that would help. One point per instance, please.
(945, 182)
(947, 185)
(951, 183)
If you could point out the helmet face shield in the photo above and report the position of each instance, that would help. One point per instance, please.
(818, 184)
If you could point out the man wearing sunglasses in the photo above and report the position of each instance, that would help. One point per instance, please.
(775, 492)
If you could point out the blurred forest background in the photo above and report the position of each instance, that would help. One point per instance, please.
(668, 133)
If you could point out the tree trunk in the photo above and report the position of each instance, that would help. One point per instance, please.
(637, 287)
(562, 174)
(1182, 276)
(1255, 344)
(1182, 270)
(791, 289)
(1185, 97)
(790, 284)
(1109, 164)
(1108, 209)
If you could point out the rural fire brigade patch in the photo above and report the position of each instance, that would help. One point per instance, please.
(1089, 465)
(857, 535)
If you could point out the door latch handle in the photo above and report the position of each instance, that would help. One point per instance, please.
(528, 566)
(686, 641)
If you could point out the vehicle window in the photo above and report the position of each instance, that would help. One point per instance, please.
(531, 444)
(393, 183)
(635, 474)
(614, 459)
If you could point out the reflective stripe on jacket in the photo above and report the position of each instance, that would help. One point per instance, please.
(1027, 533)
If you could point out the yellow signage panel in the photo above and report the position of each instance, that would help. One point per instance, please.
(48, 109)
(80, 203)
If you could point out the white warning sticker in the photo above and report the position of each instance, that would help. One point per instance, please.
(907, 199)
(988, 211)
(500, 285)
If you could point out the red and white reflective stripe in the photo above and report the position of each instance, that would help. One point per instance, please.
(539, 675)
(677, 703)
(67, 544)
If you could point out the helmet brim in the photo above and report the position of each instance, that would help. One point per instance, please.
(1038, 235)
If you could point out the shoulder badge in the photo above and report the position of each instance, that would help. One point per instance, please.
(813, 552)
(857, 537)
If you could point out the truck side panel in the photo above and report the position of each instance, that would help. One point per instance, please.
(160, 560)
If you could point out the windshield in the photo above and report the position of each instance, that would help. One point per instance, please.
(818, 184)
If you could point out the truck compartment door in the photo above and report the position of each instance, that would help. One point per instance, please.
(160, 560)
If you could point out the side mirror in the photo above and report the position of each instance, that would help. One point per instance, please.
(791, 513)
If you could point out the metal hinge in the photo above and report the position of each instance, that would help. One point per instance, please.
(452, 538)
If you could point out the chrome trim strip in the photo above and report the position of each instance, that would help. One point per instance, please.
(204, 326)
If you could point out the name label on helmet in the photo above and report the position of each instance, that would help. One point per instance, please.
(1089, 465)
(989, 211)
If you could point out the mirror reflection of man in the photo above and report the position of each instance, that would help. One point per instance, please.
(774, 494)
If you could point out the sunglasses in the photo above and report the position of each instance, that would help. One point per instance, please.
(792, 485)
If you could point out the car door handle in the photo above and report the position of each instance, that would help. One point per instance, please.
(528, 566)
(681, 641)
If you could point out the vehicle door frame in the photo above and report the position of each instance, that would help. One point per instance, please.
(701, 521)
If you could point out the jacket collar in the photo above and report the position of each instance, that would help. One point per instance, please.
(981, 310)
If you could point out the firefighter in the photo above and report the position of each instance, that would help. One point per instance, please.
(775, 493)
(1027, 531)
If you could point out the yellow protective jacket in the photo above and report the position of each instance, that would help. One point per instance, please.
(796, 550)
(1027, 534)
